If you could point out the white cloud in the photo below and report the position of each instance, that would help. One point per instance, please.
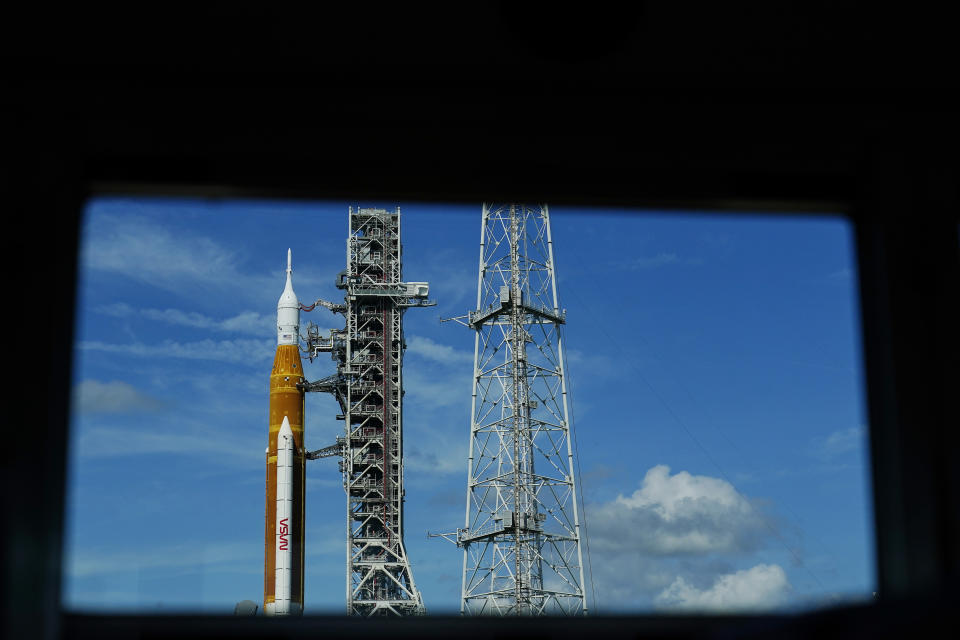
(437, 425)
(184, 439)
(652, 262)
(437, 409)
(249, 322)
(436, 454)
(761, 587)
(678, 514)
(90, 562)
(716, 238)
(842, 441)
(435, 391)
(185, 263)
(592, 365)
(237, 351)
(93, 396)
(431, 350)
(841, 275)
(117, 310)
(661, 259)
(452, 276)
(628, 581)
(151, 253)
(672, 525)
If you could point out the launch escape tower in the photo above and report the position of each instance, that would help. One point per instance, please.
(521, 539)
(368, 385)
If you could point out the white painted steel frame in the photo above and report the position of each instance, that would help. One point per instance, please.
(521, 537)
(379, 580)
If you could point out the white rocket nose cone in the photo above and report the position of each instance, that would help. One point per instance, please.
(285, 429)
(288, 298)
(288, 310)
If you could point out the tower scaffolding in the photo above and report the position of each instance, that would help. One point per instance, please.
(368, 385)
(521, 537)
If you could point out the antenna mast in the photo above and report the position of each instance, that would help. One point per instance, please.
(521, 539)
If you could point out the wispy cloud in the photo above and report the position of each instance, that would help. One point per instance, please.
(181, 261)
(437, 407)
(437, 454)
(93, 396)
(149, 252)
(437, 422)
(761, 587)
(181, 439)
(325, 540)
(90, 562)
(657, 261)
(840, 442)
(432, 350)
(437, 391)
(236, 351)
(716, 238)
(249, 322)
(841, 275)
(652, 262)
(452, 277)
(590, 364)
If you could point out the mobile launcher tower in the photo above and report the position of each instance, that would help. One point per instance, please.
(368, 385)
(521, 539)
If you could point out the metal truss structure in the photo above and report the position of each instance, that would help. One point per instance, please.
(368, 385)
(521, 539)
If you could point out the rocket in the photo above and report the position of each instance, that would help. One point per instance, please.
(283, 531)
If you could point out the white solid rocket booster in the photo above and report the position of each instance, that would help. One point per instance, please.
(284, 540)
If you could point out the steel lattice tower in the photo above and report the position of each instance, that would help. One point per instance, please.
(369, 387)
(521, 539)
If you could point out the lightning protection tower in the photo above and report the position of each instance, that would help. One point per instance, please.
(521, 539)
(368, 385)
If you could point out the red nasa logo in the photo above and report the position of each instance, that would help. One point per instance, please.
(282, 534)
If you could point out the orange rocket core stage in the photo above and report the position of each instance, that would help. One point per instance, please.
(285, 400)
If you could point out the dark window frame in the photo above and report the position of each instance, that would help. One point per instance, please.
(888, 162)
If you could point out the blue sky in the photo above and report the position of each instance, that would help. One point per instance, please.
(716, 383)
